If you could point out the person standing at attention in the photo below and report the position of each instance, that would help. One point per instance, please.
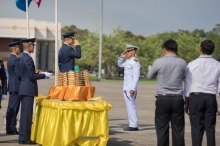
(3, 85)
(13, 88)
(28, 89)
(170, 72)
(131, 78)
(200, 89)
(67, 55)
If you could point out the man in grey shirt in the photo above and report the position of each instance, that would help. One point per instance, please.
(170, 71)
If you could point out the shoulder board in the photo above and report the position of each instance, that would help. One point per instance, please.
(135, 60)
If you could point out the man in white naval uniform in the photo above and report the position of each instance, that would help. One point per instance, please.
(131, 78)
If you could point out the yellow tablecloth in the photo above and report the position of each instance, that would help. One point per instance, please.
(63, 123)
(82, 93)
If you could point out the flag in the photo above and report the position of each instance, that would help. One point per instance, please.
(37, 2)
(21, 4)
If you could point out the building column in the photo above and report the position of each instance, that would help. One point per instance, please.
(50, 60)
(33, 55)
(36, 51)
(43, 56)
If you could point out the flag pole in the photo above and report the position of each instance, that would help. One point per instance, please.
(27, 19)
(100, 43)
(56, 37)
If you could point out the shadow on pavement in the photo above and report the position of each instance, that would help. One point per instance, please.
(9, 141)
(114, 132)
(3, 134)
(142, 127)
(119, 142)
(115, 119)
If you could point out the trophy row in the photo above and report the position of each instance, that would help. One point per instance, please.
(72, 78)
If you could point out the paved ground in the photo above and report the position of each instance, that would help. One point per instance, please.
(112, 93)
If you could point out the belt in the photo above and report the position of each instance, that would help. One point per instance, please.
(169, 95)
(197, 93)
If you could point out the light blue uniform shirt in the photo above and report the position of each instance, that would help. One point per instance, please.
(131, 73)
(202, 75)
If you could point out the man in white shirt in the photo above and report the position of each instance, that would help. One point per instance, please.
(200, 89)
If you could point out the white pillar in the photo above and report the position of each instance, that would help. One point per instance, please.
(43, 56)
(50, 59)
(36, 51)
(33, 55)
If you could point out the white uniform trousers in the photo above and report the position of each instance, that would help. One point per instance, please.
(131, 109)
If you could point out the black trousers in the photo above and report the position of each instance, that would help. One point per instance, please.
(170, 109)
(26, 118)
(12, 111)
(202, 112)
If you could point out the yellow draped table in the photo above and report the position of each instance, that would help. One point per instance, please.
(71, 92)
(64, 123)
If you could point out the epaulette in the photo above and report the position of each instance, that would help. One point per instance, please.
(136, 60)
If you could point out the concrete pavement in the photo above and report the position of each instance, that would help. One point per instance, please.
(112, 93)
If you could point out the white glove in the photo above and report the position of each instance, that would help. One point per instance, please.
(4, 96)
(47, 74)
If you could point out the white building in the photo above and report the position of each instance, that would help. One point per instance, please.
(15, 29)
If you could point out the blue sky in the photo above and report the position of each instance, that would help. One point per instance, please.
(142, 17)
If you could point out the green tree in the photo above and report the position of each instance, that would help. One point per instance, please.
(149, 47)
(214, 35)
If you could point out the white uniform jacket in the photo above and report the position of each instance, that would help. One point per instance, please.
(131, 73)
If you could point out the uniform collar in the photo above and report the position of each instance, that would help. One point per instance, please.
(170, 55)
(27, 53)
(205, 56)
(14, 54)
(66, 44)
(132, 58)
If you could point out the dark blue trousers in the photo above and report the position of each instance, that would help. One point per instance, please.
(12, 111)
(26, 117)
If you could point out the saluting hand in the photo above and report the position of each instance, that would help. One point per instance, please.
(123, 55)
(76, 42)
(132, 93)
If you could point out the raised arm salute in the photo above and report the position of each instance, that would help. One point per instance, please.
(67, 55)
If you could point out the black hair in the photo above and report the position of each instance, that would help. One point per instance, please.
(207, 47)
(170, 45)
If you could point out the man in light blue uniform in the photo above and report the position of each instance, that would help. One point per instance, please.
(131, 78)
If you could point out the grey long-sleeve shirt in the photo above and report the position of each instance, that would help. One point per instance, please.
(170, 71)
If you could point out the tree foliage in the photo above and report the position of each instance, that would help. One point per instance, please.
(149, 47)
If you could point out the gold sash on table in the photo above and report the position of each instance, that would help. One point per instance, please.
(81, 93)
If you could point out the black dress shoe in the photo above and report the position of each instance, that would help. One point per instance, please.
(27, 142)
(13, 133)
(131, 129)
